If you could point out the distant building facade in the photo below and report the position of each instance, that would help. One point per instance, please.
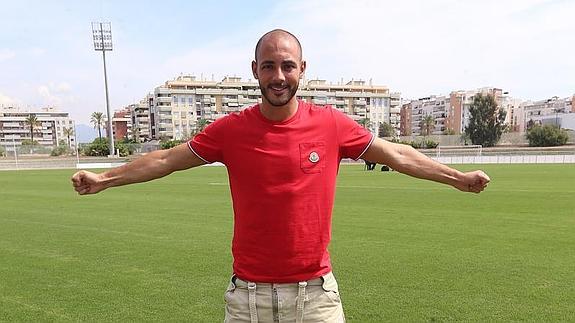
(49, 132)
(450, 113)
(555, 110)
(175, 109)
(121, 124)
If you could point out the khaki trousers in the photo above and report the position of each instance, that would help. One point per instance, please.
(313, 301)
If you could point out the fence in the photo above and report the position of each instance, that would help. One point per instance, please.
(507, 139)
(518, 159)
(446, 155)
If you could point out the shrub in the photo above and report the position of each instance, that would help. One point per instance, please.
(428, 143)
(547, 135)
(100, 147)
(59, 151)
(169, 144)
(28, 142)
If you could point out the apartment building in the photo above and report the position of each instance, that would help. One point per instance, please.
(140, 119)
(460, 101)
(548, 111)
(50, 129)
(405, 119)
(174, 109)
(450, 114)
(121, 124)
(433, 107)
(176, 106)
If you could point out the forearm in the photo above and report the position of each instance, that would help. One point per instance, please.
(153, 165)
(407, 160)
(411, 162)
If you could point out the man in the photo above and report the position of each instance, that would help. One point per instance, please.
(282, 158)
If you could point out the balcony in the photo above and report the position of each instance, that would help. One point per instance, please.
(7, 131)
(12, 125)
(229, 100)
(164, 99)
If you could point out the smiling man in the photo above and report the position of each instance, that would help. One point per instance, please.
(282, 158)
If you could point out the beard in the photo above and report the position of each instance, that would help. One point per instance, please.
(278, 100)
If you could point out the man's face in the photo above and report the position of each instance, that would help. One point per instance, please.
(278, 68)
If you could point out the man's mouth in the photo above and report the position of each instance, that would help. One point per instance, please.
(278, 89)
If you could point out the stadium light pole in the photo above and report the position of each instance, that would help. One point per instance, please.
(102, 36)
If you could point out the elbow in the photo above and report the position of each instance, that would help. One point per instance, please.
(400, 159)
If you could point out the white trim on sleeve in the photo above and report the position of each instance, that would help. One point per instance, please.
(366, 147)
(195, 153)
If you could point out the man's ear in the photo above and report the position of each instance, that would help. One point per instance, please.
(302, 71)
(255, 69)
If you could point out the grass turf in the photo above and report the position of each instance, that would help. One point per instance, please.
(402, 249)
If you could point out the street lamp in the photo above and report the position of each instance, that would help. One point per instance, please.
(102, 36)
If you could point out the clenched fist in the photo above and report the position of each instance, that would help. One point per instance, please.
(85, 182)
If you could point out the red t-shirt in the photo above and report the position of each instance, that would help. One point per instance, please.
(282, 179)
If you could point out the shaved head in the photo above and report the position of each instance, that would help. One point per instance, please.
(275, 34)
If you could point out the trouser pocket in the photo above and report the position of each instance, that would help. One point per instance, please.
(330, 288)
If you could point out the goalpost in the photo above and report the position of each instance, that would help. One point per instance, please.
(452, 151)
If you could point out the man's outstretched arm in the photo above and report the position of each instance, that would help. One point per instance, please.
(407, 160)
(154, 165)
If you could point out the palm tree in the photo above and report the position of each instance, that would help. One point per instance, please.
(427, 124)
(97, 118)
(68, 132)
(366, 123)
(33, 122)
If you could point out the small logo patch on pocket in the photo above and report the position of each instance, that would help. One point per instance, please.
(314, 157)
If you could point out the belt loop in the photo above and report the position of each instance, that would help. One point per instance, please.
(252, 302)
(301, 298)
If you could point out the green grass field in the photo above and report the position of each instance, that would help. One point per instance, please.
(402, 249)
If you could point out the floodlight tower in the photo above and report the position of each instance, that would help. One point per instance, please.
(102, 36)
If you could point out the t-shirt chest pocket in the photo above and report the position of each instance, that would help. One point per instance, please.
(312, 157)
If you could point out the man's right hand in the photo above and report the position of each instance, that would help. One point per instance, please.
(85, 182)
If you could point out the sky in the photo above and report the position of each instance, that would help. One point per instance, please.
(415, 47)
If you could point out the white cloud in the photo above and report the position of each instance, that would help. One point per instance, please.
(6, 54)
(6, 101)
(47, 97)
(62, 87)
(55, 94)
(218, 58)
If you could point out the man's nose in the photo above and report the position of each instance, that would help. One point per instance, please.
(279, 75)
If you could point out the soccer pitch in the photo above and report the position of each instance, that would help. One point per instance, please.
(402, 249)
